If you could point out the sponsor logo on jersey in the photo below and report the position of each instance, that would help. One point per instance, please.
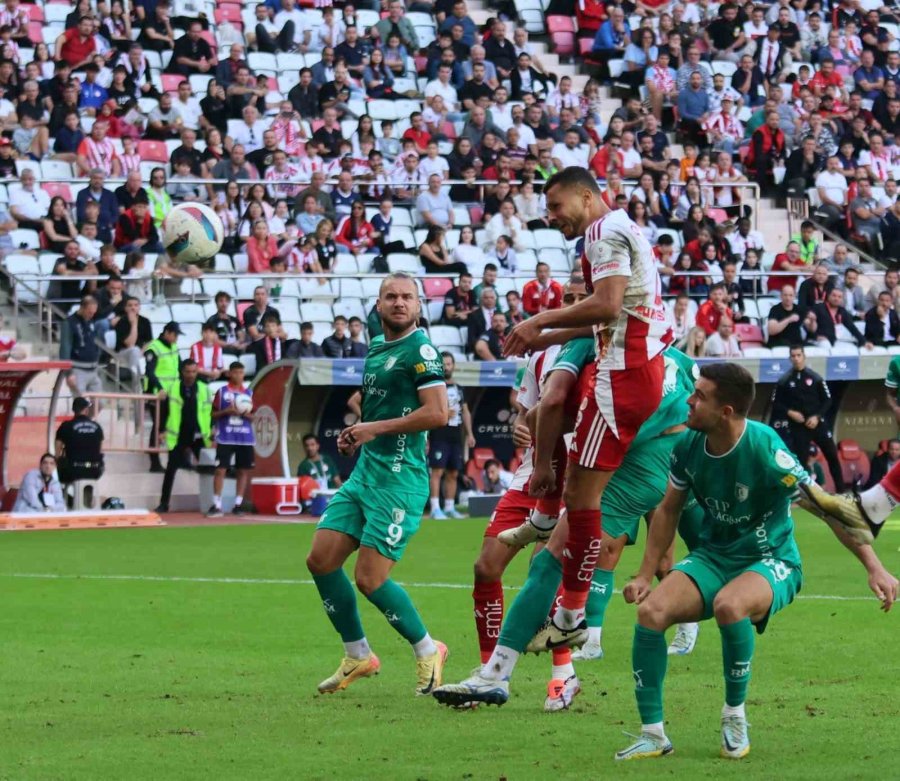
(741, 492)
(420, 368)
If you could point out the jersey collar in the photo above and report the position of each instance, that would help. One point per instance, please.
(730, 450)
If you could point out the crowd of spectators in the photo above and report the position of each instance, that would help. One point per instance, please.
(270, 113)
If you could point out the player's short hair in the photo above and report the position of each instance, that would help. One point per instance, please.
(309, 436)
(735, 386)
(573, 176)
(445, 355)
(188, 362)
(222, 295)
(235, 365)
(666, 240)
(395, 275)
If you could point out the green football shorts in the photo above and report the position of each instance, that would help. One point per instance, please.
(384, 518)
(638, 486)
(710, 573)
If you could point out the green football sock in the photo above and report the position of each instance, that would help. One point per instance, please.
(599, 596)
(532, 604)
(648, 659)
(737, 653)
(339, 601)
(399, 610)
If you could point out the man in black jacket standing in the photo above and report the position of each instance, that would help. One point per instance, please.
(805, 396)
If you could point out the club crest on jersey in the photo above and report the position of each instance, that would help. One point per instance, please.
(389, 363)
(741, 492)
(428, 352)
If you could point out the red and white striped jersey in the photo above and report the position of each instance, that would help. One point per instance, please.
(615, 247)
(539, 364)
(99, 154)
(286, 187)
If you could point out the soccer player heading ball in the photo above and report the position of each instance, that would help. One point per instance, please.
(379, 508)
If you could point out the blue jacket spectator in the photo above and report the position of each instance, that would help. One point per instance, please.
(109, 206)
(461, 17)
(609, 38)
(693, 103)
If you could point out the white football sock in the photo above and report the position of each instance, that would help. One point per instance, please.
(425, 647)
(448, 505)
(656, 729)
(562, 671)
(501, 664)
(217, 502)
(435, 503)
(594, 634)
(238, 500)
(543, 521)
(566, 618)
(358, 649)
(734, 710)
(877, 503)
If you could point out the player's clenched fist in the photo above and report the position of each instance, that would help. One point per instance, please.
(521, 339)
(521, 435)
(636, 591)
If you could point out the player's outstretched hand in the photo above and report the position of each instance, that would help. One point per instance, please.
(637, 590)
(543, 481)
(884, 586)
(521, 339)
(521, 435)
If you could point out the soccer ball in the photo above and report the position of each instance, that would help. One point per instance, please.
(192, 233)
(243, 403)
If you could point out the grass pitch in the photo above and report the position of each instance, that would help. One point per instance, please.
(194, 653)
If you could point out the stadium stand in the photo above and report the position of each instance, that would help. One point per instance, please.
(369, 102)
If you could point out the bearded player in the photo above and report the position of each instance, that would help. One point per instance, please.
(379, 508)
(626, 311)
(747, 567)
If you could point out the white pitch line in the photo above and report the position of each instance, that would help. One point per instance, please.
(307, 582)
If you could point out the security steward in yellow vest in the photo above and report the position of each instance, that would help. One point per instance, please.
(162, 360)
(187, 425)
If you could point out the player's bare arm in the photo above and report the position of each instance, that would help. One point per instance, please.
(882, 583)
(602, 306)
(659, 540)
(433, 413)
(561, 336)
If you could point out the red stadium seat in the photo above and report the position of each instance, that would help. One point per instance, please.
(476, 214)
(585, 46)
(9, 499)
(436, 287)
(59, 188)
(829, 483)
(560, 24)
(563, 43)
(35, 13)
(882, 447)
(170, 81)
(240, 308)
(421, 64)
(154, 151)
(449, 130)
(481, 455)
(855, 465)
(749, 335)
(36, 32)
(228, 12)
(207, 36)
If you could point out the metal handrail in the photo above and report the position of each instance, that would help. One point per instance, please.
(793, 213)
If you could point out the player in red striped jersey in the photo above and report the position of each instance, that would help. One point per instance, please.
(517, 507)
(625, 311)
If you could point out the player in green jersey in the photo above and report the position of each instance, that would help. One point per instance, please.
(633, 491)
(746, 566)
(379, 508)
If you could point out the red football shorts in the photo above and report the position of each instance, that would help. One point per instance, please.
(513, 509)
(609, 418)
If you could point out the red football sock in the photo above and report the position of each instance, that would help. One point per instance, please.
(488, 598)
(580, 558)
(562, 656)
(891, 482)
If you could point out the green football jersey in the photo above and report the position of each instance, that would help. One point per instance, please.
(892, 380)
(678, 384)
(575, 355)
(746, 494)
(394, 374)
